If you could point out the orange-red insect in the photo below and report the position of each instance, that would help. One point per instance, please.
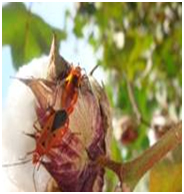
(47, 138)
(70, 91)
(51, 135)
(57, 123)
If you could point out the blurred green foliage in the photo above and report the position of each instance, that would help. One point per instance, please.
(141, 44)
(166, 176)
(28, 35)
(142, 41)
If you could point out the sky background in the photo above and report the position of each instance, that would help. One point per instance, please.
(73, 50)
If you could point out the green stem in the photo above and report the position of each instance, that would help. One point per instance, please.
(131, 172)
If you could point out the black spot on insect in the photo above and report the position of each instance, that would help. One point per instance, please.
(59, 120)
(43, 143)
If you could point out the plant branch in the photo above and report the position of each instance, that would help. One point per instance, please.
(131, 172)
(133, 102)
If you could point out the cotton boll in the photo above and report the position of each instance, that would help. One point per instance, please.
(70, 159)
(18, 117)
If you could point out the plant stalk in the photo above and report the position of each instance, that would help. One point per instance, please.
(131, 172)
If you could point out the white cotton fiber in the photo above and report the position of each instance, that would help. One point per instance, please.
(18, 117)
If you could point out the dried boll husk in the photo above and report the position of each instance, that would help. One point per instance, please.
(74, 160)
(58, 67)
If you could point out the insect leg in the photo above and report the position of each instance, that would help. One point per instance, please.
(34, 181)
(17, 163)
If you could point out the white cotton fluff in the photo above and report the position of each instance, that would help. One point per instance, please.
(18, 117)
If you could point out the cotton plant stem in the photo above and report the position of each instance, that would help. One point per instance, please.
(131, 172)
(138, 167)
(133, 102)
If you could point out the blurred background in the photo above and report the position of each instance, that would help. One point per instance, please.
(138, 47)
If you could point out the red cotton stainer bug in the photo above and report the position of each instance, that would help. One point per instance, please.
(70, 93)
(56, 123)
(51, 134)
(46, 138)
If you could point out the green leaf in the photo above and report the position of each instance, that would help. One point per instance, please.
(111, 180)
(79, 23)
(115, 151)
(135, 62)
(123, 101)
(28, 35)
(167, 175)
(166, 178)
(93, 41)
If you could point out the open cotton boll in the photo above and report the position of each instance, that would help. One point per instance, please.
(68, 154)
(18, 117)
